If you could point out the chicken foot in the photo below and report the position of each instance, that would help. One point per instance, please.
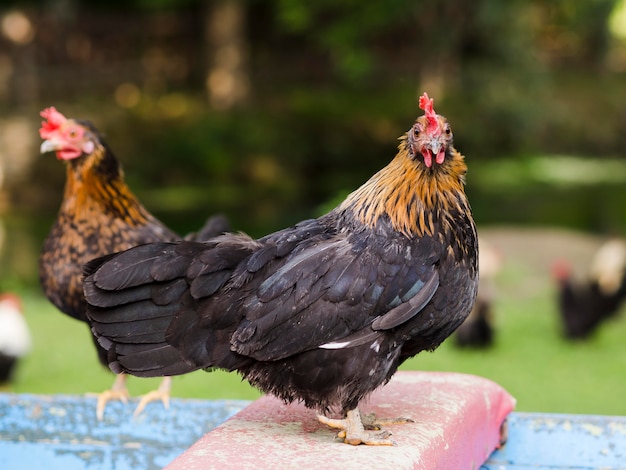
(356, 429)
(117, 391)
(162, 393)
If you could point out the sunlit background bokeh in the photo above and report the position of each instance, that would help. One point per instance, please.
(271, 111)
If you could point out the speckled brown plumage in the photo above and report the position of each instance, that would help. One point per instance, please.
(98, 215)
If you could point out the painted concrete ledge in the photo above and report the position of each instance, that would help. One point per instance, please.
(458, 422)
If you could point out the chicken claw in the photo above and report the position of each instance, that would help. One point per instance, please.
(162, 393)
(117, 392)
(355, 430)
(371, 422)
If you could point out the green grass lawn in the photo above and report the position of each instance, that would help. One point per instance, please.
(542, 371)
(530, 360)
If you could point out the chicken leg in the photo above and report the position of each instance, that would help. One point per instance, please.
(356, 430)
(117, 391)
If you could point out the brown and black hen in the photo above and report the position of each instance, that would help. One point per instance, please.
(323, 312)
(99, 215)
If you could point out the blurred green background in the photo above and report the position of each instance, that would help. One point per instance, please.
(271, 111)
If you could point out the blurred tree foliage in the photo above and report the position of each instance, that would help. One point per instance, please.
(329, 86)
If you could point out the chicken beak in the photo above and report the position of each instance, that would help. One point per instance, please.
(49, 145)
(435, 146)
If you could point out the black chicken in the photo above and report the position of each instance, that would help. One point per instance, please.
(478, 331)
(323, 312)
(584, 305)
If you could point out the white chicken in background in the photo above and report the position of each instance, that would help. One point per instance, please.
(608, 266)
(15, 338)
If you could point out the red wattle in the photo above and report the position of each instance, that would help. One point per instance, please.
(428, 159)
(68, 154)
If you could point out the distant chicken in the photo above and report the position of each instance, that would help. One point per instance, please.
(323, 312)
(478, 329)
(584, 305)
(15, 338)
(99, 215)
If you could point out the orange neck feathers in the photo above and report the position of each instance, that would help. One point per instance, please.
(89, 191)
(412, 196)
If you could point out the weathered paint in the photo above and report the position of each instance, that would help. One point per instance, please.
(62, 432)
(560, 441)
(457, 425)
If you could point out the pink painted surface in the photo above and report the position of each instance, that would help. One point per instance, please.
(458, 420)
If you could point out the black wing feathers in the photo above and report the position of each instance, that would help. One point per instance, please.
(169, 292)
(294, 269)
(294, 291)
(100, 298)
(413, 301)
(343, 277)
(129, 268)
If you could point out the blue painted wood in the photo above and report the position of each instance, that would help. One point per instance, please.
(561, 441)
(62, 432)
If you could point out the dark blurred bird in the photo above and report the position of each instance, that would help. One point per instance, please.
(585, 304)
(478, 330)
(323, 312)
(15, 338)
(99, 215)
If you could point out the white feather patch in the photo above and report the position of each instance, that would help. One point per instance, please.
(335, 345)
(15, 339)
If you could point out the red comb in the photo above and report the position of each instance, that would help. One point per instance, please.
(54, 120)
(426, 104)
(12, 299)
(561, 269)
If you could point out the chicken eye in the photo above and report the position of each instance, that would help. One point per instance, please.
(416, 131)
(447, 130)
(72, 133)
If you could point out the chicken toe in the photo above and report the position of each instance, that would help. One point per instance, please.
(162, 393)
(354, 432)
(372, 423)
